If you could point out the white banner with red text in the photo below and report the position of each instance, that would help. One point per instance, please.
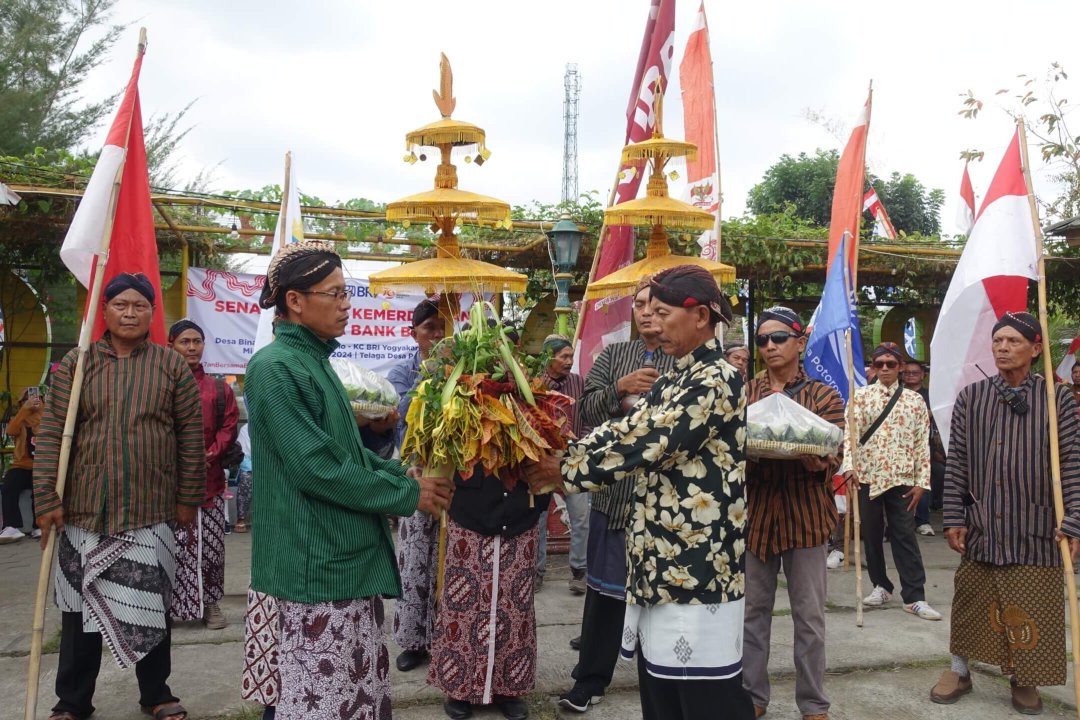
(226, 306)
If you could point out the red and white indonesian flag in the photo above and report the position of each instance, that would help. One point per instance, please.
(847, 203)
(290, 229)
(607, 320)
(1064, 369)
(699, 123)
(132, 245)
(990, 280)
(965, 211)
(883, 226)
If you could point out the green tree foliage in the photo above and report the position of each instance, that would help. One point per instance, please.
(44, 58)
(804, 184)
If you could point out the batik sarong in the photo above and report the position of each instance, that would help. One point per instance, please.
(200, 563)
(121, 584)
(1012, 616)
(260, 682)
(333, 661)
(418, 559)
(485, 629)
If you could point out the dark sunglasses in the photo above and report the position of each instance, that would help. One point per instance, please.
(883, 364)
(778, 338)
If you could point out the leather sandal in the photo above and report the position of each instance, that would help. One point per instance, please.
(166, 711)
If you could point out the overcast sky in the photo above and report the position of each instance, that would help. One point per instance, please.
(339, 83)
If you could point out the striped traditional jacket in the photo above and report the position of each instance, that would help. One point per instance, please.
(997, 480)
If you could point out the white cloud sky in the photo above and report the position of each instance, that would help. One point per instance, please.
(339, 83)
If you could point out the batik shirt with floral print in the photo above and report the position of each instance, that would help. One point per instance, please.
(683, 445)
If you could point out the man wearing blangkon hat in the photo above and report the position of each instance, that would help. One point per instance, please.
(682, 448)
(137, 465)
(322, 546)
(1008, 608)
(891, 472)
(791, 514)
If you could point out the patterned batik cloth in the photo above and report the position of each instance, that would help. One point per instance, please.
(1012, 616)
(200, 563)
(260, 681)
(120, 584)
(333, 661)
(485, 629)
(418, 560)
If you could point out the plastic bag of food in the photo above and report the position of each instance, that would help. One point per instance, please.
(778, 427)
(371, 395)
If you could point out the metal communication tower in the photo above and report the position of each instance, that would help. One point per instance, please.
(572, 86)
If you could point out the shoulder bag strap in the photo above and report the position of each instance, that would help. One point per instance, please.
(884, 414)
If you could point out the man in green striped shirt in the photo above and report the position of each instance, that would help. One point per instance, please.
(137, 464)
(322, 546)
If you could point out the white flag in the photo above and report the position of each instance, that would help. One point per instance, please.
(293, 223)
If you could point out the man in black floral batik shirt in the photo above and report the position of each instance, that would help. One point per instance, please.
(682, 445)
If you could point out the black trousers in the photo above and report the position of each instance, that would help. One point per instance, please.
(601, 638)
(663, 699)
(15, 481)
(937, 485)
(80, 662)
(892, 505)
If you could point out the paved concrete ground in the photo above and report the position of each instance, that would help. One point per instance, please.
(883, 670)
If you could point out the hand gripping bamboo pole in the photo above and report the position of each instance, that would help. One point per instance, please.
(93, 300)
(1052, 414)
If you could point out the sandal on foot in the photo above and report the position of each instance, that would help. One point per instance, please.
(167, 711)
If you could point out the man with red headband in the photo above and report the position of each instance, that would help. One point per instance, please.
(682, 447)
(892, 471)
(792, 513)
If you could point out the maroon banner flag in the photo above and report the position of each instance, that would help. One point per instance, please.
(607, 320)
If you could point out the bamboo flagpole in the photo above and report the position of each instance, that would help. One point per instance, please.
(1052, 415)
(93, 300)
(853, 449)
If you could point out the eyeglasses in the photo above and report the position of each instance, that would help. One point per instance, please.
(912, 372)
(778, 338)
(338, 295)
(886, 364)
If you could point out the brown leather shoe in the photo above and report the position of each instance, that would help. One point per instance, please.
(759, 711)
(950, 688)
(1026, 700)
(819, 716)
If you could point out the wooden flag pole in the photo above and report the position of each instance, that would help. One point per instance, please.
(853, 449)
(93, 300)
(1052, 414)
(853, 488)
(847, 527)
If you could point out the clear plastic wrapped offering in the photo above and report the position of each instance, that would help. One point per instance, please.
(371, 395)
(777, 427)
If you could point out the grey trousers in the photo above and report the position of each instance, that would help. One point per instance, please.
(805, 571)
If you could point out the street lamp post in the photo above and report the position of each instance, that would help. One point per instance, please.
(564, 244)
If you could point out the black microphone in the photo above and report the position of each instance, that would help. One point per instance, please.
(1016, 402)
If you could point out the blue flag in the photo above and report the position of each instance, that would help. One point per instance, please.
(826, 351)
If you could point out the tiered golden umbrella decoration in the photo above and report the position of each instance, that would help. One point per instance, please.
(448, 273)
(658, 211)
(443, 207)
